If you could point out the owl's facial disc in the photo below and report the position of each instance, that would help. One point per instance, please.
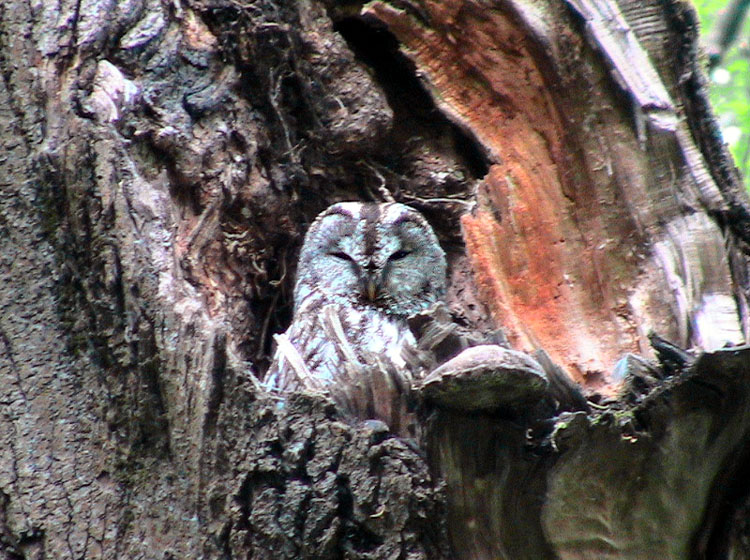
(373, 255)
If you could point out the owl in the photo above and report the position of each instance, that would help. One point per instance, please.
(364, 268)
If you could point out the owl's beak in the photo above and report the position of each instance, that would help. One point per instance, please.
(371, 288)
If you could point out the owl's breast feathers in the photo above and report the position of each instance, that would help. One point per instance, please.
(335, 337)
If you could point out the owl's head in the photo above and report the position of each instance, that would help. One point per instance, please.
(381, 255)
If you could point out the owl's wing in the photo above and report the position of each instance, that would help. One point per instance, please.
(291, 362)
(305, 358)
(335, 351)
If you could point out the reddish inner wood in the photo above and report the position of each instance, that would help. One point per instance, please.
(538, 247)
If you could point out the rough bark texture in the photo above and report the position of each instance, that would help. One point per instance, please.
(160, 162)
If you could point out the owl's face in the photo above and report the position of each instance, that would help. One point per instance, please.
(384, 256)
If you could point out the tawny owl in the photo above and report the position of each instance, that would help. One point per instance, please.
(363, 270)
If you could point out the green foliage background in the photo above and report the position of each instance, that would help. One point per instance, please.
(730, 85)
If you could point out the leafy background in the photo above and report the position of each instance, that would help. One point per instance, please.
(725, 33)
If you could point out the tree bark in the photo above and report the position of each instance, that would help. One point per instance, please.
(161, 162)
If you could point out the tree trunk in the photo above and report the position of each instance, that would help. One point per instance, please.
(161, 161)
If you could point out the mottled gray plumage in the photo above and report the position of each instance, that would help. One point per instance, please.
(363, 269)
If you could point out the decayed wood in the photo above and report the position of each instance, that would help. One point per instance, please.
(609, 31)
(160, 163)
(595, 224)
(573, 241)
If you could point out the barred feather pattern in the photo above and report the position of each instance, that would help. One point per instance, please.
(366, 332)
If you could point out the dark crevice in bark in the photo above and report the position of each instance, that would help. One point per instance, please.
(415, 113)
(730, 497)
(14, 544)
(218, 375)
(8, 548)
(152, 435)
